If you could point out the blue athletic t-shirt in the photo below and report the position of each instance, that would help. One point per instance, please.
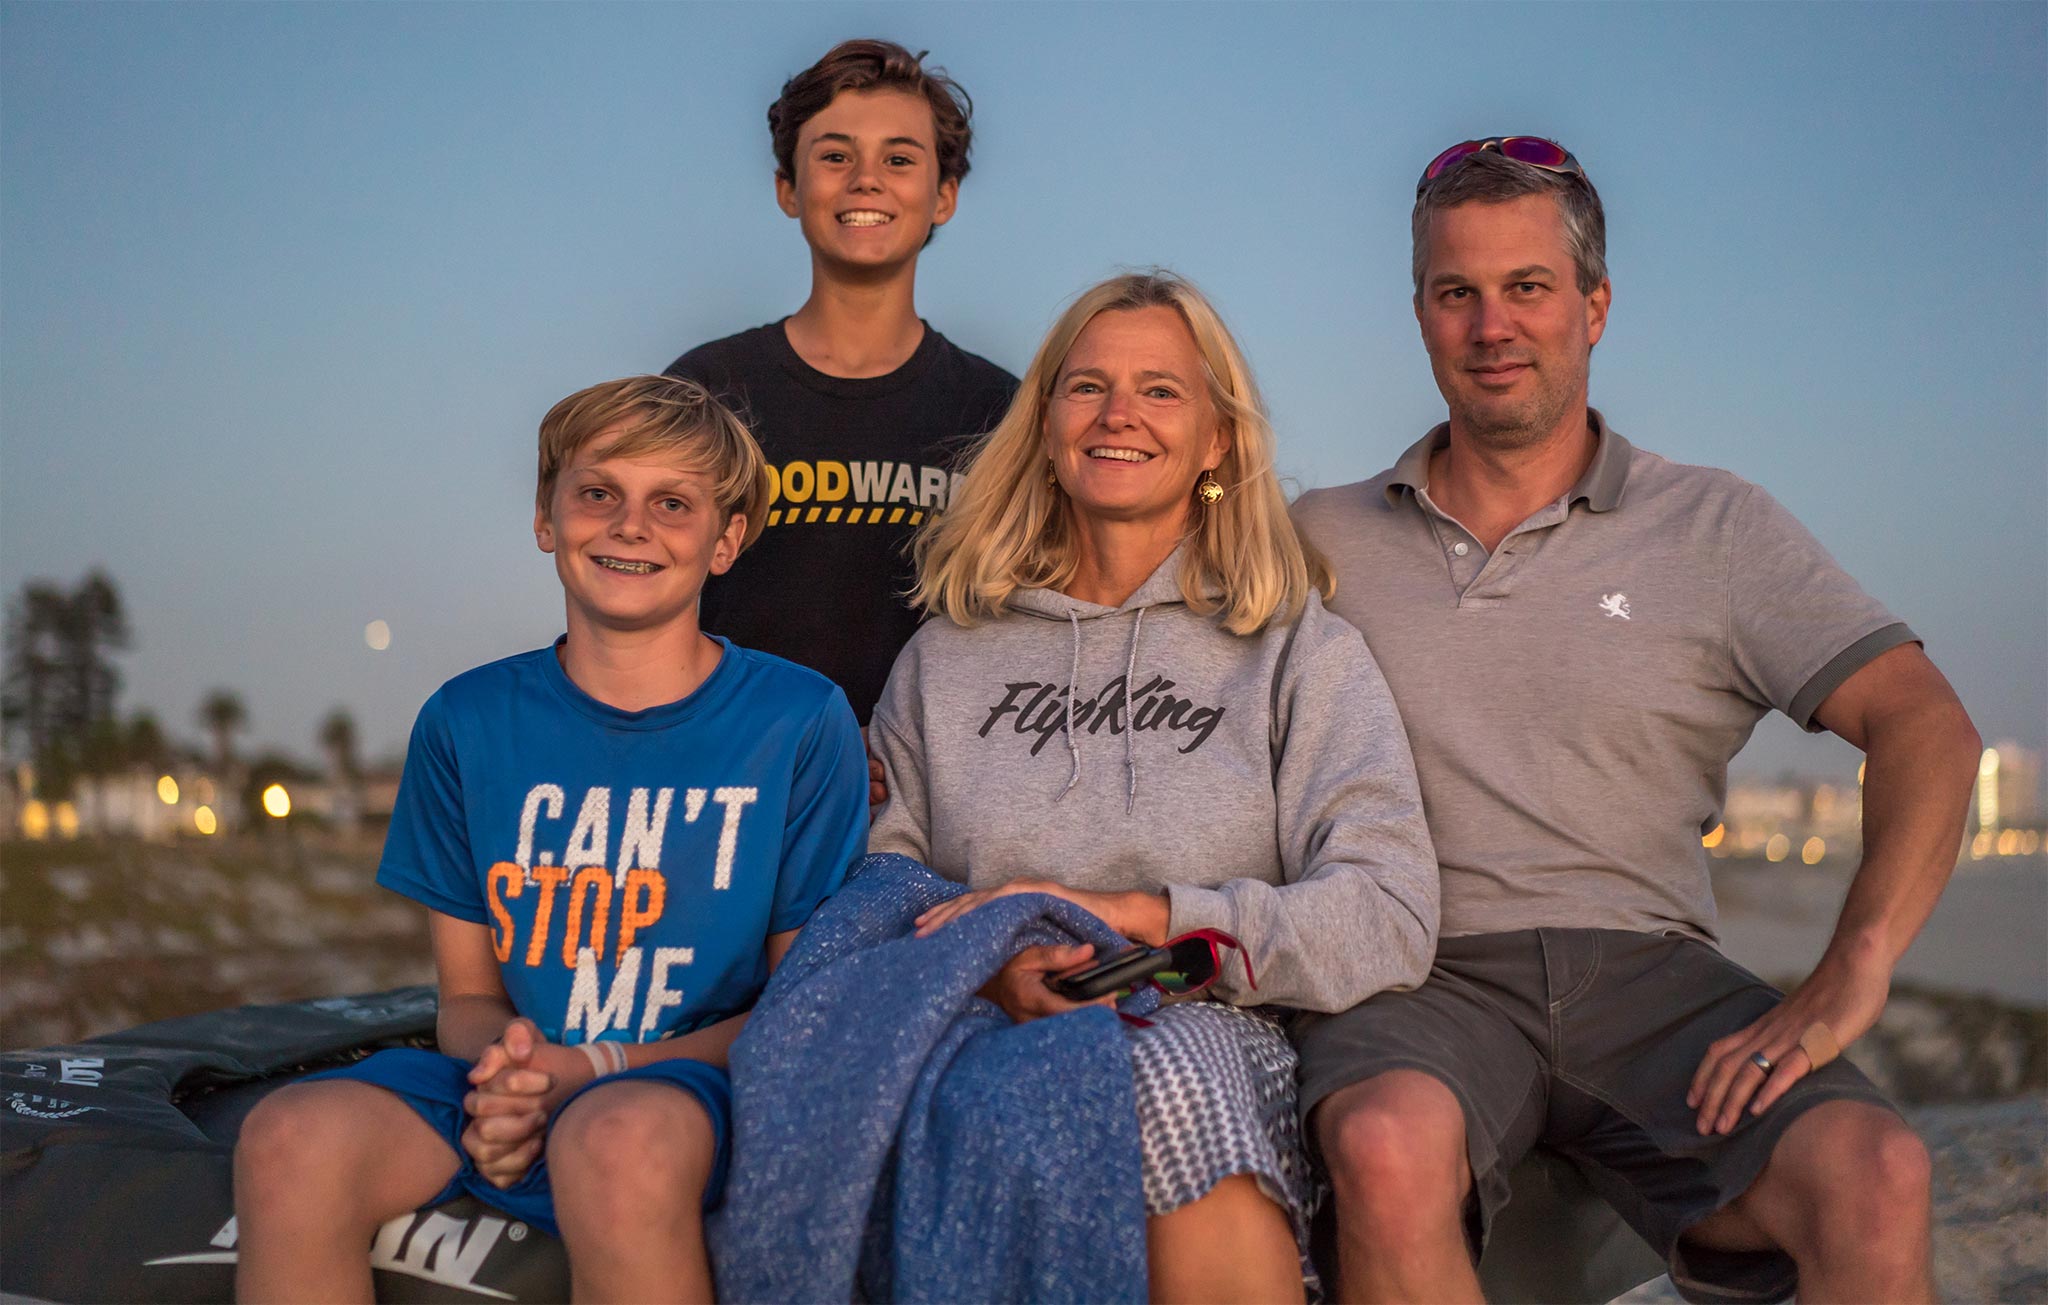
(630, 864)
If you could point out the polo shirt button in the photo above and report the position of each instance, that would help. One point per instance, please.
(1460, 548)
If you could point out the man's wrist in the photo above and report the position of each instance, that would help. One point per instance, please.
(1863, 950)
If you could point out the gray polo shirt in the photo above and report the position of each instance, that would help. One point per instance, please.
(1573, 699)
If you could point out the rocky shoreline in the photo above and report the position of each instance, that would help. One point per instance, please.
(1990, 1198)
(1990, 1203)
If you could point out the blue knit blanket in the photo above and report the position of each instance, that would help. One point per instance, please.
(897, 1138)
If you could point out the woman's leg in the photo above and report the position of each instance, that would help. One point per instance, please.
(1223, 1165)
(1233, 1244)
(319, 1167)
(628, 1163)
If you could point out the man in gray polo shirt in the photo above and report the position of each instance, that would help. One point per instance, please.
(1581, 635)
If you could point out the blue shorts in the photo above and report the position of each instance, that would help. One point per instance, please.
(434, 1086)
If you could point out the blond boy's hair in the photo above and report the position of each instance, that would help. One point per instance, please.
(642, 415)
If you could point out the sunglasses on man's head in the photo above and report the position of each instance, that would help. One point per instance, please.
(1537, 151)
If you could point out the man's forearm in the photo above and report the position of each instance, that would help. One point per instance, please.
(1919, 768)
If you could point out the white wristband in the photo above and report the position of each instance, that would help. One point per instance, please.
(600, 1064)
(617, 1052)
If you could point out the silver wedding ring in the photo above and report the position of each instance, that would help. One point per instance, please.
(1760, 1060)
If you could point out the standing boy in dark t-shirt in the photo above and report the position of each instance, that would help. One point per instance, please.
(859, 406)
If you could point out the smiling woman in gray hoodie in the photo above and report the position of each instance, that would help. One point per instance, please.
(1131, 696)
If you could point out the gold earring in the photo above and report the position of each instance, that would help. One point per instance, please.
(1209, 489)
(1052, 478)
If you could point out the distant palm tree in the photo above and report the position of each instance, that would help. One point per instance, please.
(145, 744)
(96, 621)
(59, 688)
(338, 738)
(222, 713)
(35, 665)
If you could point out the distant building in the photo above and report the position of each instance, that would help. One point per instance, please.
(155, 806)
(183, 801)
(1790, 821)
(1756, 813)
(2008, 792)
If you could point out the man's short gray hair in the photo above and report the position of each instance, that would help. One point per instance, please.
(1490, 177)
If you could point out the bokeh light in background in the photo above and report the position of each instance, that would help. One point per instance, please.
(276, 801)
(203, 820)
(377, 634)
(167, 791)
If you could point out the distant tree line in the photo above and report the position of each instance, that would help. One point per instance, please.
(61, 685)
(59, 695)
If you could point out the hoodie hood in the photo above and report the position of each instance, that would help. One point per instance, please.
(1161, 589)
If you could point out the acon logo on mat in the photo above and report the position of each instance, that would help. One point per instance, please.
(426, 1244)
(34, 1105)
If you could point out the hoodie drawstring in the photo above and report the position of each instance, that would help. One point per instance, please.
(1130, 716)
(1073, 685)
(1130, 713)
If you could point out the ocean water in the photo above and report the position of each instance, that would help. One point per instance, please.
(1988, 934)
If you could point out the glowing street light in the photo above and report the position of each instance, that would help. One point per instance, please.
(276, 801)
(1778, 848)
(203, 821)
(1813, 851)
(167, 790)
(35, 820)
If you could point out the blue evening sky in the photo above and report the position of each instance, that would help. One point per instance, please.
(285, 289)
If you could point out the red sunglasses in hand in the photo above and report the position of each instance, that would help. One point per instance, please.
(1180, 967)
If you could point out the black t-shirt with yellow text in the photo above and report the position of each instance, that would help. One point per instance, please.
(857, 465)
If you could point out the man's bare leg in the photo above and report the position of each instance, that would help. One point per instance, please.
(319, 1167)
(1846, 1194)
(1395, 1148)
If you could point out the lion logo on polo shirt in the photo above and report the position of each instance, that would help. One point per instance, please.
(1615, 605)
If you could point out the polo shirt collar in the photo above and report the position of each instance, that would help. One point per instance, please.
(1606, 476)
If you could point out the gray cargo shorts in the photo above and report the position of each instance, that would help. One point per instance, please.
(1586, 1040)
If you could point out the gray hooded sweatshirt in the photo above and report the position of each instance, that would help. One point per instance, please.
(1262, 781)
